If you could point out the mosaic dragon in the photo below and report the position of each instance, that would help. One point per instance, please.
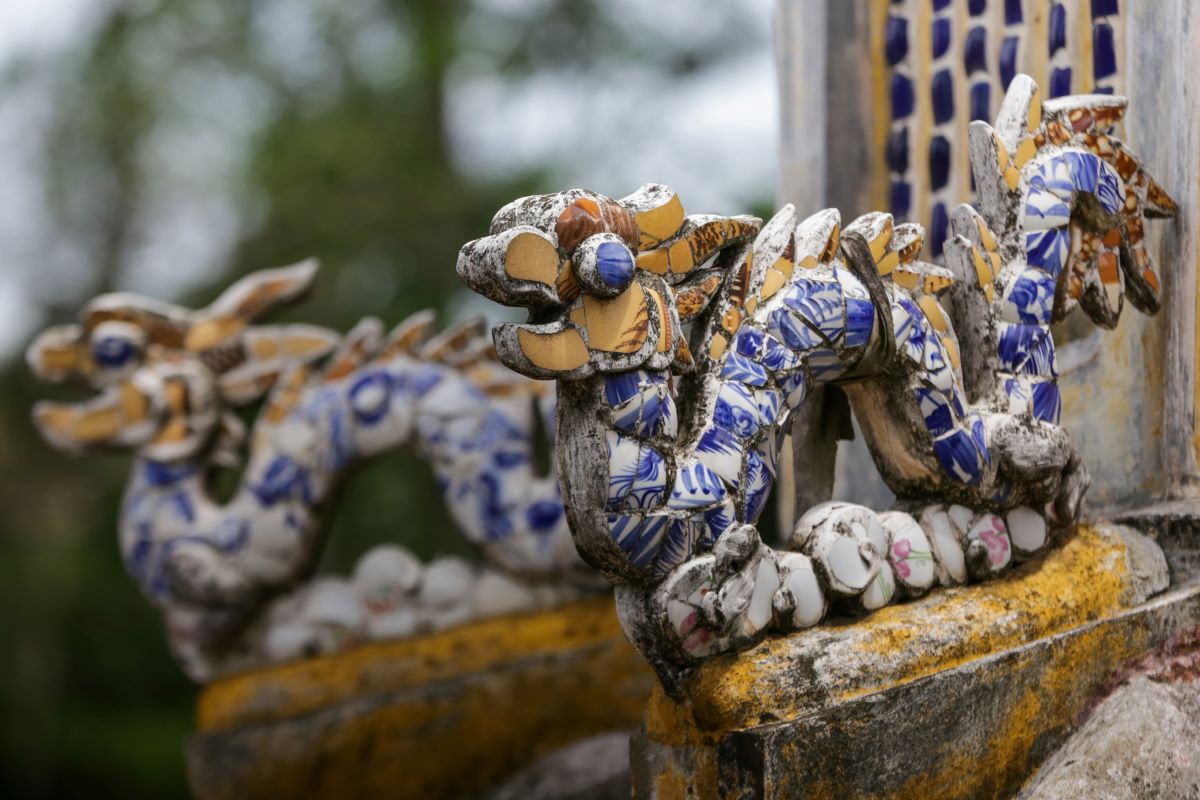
(682, 343)
(226, 575)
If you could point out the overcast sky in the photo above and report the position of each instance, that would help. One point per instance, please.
(712, 137)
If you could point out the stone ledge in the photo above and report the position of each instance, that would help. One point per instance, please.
(959, 694)
(442, 715)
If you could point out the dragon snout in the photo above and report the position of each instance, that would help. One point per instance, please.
(127, 416)
(57, 355)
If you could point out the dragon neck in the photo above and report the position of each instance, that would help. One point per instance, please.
(481, 449)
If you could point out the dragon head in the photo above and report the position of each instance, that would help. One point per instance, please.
(607, 282)
(167, 376)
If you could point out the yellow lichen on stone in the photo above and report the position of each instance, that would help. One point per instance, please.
(401, 719)
(1083, 579)
(1052, 702)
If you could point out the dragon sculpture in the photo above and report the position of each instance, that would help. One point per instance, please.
(230, 577)
(681, 344)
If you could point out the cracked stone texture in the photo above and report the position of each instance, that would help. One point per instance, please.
(1142, 742)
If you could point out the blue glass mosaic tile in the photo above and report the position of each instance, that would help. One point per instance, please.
(975, 50)
(1008, 60)
(976, 7)
(785, 325)
(939, 223)
(1104, 8)
(896, 40)
(638, 537)
(796, 386)
(1012, 12)
(897, 151)
(637, 474)
(981, 102)
(677, 545)
(542, 517)
(1058, 28)
(1109, 189)
(776, 357)
(825, 365)
(909, 325)
(939, 162)
(1060, 82)
(942, 89)
(901, 198)
(1104, 51)
(902, 96)
(718, 521)
(941, 37)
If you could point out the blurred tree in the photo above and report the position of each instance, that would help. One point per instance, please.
(255, 134)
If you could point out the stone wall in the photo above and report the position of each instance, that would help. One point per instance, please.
(1128, 401)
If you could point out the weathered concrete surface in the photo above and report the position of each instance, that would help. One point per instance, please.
(445, 715)
(1142, 742)
(1175, 526)
(961, 694)
(593, 769)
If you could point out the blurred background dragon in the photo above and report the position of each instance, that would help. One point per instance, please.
(232, 577)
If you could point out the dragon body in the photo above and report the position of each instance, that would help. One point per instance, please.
(682, 345)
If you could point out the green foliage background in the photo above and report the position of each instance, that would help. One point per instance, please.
(353, 166)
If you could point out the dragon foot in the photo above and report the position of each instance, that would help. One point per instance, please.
(840, 556)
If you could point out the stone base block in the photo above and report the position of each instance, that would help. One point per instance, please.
(445, 715)
(960, 694)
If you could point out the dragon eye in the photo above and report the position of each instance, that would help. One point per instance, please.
(369, 396)
(115, 345)
(113, 352)
(603, 265)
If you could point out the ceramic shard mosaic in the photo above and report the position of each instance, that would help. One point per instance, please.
(670, 436)
(225, 575)
(947, 63)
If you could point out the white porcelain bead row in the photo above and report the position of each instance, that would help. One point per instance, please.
(391, 595)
